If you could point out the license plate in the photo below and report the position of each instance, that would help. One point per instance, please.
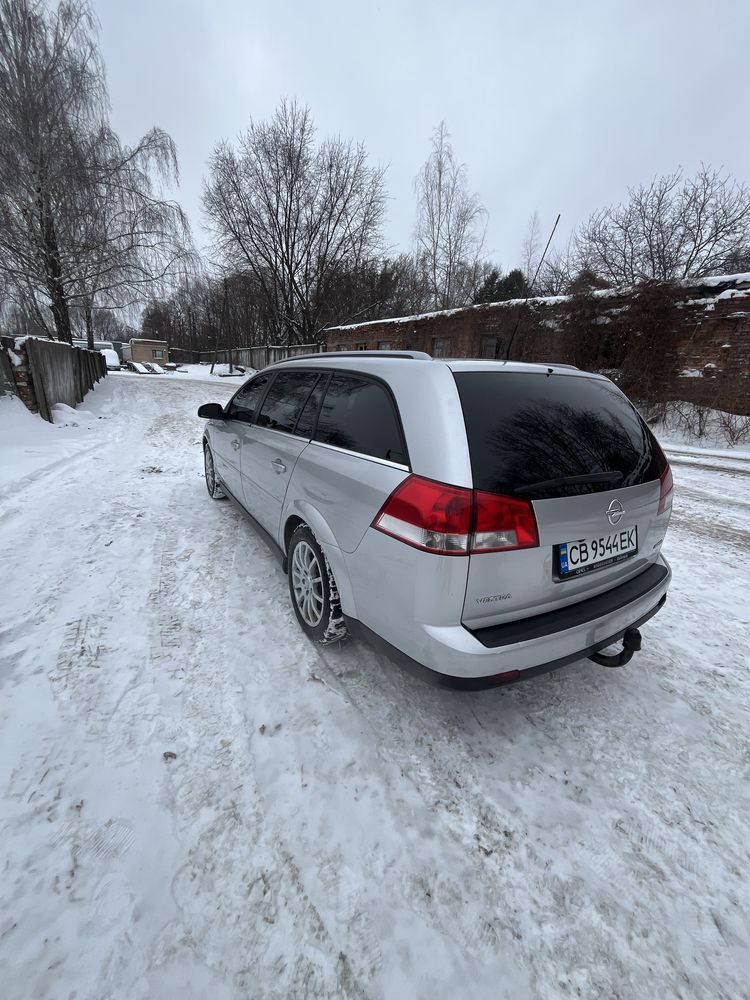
(586, 554)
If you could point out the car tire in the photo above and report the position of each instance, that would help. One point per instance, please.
(313, 590)
(212, 482)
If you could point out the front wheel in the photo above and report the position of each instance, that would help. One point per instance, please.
(315, 598)
(212, 483)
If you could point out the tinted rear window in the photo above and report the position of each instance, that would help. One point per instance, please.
(309, 415)
(359, 415)
(527, 428)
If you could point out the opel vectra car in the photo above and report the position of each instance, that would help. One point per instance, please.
(486, 521)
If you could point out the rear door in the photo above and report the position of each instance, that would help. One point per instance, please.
(538, 437)
(356, 459)
(273, 444)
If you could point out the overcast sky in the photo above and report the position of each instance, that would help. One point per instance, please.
(557, 106)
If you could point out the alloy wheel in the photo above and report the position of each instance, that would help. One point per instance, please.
(307, 583)
(208, 460)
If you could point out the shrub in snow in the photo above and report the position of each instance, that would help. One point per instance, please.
(736, 428)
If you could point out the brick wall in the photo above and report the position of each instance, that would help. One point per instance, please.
(18, 361)
(713, 336)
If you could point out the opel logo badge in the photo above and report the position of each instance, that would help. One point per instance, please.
(615, 512)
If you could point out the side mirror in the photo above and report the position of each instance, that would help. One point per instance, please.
(211, 411)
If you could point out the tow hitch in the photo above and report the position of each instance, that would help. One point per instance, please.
(631, 643)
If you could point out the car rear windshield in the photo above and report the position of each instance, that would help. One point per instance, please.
(527, 429)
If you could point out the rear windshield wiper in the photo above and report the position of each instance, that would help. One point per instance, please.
(589, 477)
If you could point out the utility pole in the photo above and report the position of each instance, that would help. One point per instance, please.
(229, 327)
(219, 329)
(528, 293)
(190, 331)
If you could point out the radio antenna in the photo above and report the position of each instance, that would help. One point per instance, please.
(528, 294)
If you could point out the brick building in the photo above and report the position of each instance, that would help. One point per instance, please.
(713, 341)
(149, 350)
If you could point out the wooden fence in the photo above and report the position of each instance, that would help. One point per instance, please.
(247, 357)
(50, 372)
(7, 382)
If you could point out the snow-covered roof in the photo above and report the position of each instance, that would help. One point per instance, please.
(741, 280)
(551, 300)
(730, 285)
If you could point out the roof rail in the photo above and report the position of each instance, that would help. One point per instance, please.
(505, 361)
(413, 355)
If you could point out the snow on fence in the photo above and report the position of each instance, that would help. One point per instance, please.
(46, 372)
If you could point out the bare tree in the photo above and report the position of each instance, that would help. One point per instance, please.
(50, 88)
(449, 233)
(557, 271)
(531, 248)
(675, 227)
(129, 238)
(81, 216)
(293, 213)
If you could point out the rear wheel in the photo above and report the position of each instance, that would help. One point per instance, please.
(315, 598)
(212, 483)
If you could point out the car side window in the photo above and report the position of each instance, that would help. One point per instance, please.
(246, 401)
(359, 415)
(306, 422)
(285, 400)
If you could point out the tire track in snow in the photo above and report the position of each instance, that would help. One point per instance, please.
(715, 499)
(449, 786)
(218, 809)
(735, 471)
(549, 893)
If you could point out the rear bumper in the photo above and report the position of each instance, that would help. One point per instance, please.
(453, 656)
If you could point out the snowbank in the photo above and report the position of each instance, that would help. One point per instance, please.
(29, 444)
(704, 429)
(203, 373)
(68, 416)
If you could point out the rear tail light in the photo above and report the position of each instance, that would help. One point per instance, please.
(665, 492)
(453, 521)
(428, 515)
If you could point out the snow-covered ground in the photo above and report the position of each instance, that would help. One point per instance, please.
(203, 373)
(220, 373)
(330, 826)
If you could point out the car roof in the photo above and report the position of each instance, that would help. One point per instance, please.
(382, 362)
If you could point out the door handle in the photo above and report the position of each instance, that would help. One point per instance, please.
(278, 466)
(235, 444)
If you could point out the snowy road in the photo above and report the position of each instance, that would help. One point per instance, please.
(330, 826)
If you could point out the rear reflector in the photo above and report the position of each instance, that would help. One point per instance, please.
(505, 678)
(665, 492)
(453, 521)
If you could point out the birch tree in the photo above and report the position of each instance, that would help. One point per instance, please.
(449, 234)
(83, 220)
(50, 88)
(530, 249)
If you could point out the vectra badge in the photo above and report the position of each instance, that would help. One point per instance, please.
(615, 512)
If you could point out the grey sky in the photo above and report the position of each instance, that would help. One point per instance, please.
(554, 106)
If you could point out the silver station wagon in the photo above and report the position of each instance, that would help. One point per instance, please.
(481, 521)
